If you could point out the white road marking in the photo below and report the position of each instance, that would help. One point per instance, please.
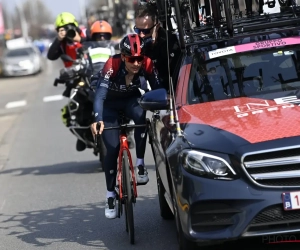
(3, 204)
(16, 104)
(53, 98)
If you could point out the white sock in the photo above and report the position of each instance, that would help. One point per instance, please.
(110, 194)
(140, 162)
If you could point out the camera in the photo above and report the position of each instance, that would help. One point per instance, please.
(70, 32)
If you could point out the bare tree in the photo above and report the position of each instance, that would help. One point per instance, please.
(114, 12)
(6, 15)
(36, 14)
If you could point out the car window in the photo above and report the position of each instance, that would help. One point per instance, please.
(245, 74)
(20, 52)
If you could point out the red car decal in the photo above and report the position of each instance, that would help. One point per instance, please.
(255, 120)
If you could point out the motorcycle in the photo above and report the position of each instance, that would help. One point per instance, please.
(77, 115)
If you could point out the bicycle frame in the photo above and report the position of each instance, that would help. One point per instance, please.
(124, 146)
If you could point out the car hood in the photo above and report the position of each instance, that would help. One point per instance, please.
(240, 123)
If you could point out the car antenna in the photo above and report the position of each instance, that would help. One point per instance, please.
(173, 110)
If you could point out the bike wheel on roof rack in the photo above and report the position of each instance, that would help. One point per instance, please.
(195, 11)
(216, 13)
(228, 15)
(207, 8)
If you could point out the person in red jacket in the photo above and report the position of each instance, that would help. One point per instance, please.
(68, 41)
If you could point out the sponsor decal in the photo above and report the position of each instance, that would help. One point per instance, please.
(221, 52)
(126, 45)
(108, 73)
(105, 85)
(254, 46)
(269, 44)
(262, 106)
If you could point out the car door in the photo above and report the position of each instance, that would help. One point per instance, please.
(164, 133)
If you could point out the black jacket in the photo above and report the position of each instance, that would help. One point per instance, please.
(158, 53)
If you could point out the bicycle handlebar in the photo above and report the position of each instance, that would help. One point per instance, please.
(126, 126)
(58, 81)
(122, 126)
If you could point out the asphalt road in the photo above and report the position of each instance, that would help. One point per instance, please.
(52, 196)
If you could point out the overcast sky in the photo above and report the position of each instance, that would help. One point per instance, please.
(55, 6)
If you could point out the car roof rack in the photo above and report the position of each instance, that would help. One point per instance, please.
(226, 19)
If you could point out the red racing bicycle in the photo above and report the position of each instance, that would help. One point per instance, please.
(126, 190)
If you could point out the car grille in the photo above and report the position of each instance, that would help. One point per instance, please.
(280, 168)
(274, 218)
(213, 216)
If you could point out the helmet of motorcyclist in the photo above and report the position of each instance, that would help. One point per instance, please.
(101, 30)
(132, 45)
(64, 19)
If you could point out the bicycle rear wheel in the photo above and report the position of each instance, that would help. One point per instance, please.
(128, 192)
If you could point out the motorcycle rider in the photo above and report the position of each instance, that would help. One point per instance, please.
(99, 45)
(100, 48)
(148, 27)
(118, 90)
(64, 45)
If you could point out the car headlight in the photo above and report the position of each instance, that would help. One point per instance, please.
(206, 165)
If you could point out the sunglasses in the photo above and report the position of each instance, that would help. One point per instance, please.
(145, 31)
(132, 59)
(99, 36)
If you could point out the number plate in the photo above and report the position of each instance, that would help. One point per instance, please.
(291, 200)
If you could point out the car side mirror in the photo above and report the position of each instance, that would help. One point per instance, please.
(66, 58)
(155, 100)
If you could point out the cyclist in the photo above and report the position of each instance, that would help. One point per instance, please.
(118, 90)
(148, 27)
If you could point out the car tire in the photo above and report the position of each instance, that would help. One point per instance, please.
(165, 211)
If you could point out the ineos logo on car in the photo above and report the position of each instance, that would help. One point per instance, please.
(264, 105)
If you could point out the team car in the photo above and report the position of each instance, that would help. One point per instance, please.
(226, 138)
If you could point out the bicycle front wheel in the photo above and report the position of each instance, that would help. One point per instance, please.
(128, 192)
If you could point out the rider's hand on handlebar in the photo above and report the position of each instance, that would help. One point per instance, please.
(97, 127)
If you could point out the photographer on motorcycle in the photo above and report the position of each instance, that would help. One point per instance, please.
(68, 41)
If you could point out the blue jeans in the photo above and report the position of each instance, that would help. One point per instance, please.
(132, 110)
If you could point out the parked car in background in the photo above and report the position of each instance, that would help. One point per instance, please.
(22, 61)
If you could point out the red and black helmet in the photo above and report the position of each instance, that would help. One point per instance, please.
(132, 45)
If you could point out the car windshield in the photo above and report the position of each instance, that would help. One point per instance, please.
(20, 52)
(248, 74)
